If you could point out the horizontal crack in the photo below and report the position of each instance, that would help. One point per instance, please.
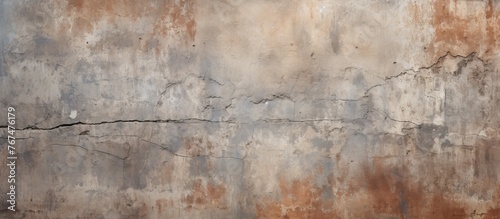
(188, 120)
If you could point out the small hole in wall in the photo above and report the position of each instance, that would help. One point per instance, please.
(394, 63)
(140, 38)
(194, 45)
(87, 42)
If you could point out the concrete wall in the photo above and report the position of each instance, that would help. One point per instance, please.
(252, 109)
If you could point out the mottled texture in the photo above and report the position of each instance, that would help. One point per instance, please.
(252, 109)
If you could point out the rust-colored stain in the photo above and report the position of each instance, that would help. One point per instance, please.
(179, 16)
(492, 214)
(198, 146)
(388, 191)
(206, 196)
(300, 198)
(170, 17)
(161, 205)
(462, 34)
(380, 190)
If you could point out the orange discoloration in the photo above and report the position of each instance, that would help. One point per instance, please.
(209, 196)
(299, 199)
(463, 34)
(171, 17)
(175, 17)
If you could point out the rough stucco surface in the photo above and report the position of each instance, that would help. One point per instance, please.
(252, 109)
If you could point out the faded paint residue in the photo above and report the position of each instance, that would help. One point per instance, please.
(463, 27)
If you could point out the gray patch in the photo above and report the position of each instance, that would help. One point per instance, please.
(29, 158)
(2, 61)
(69, 94)
(446, 143)
(243, 134)
(198, 166)
(334, 39)
(427, 133)
(322, 143)
(178, 60)
(50, 201)
(327, 193)
(123, 40)
(45, 46)
(244, 213)
(228, 168)
(302, 38)
(89, 78)
(153, 44)
(355, 146)
(359, 79)
(136, 167)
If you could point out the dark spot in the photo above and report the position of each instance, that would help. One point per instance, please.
(86, 132)
(322, 143)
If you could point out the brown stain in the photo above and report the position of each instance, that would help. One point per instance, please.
(463, 35)
(493, 213)
(299, 198)
(206, 196)
(171, 17)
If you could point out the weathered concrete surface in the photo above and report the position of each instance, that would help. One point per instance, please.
(252, 109)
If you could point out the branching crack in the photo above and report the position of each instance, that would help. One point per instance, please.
(433, 65)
